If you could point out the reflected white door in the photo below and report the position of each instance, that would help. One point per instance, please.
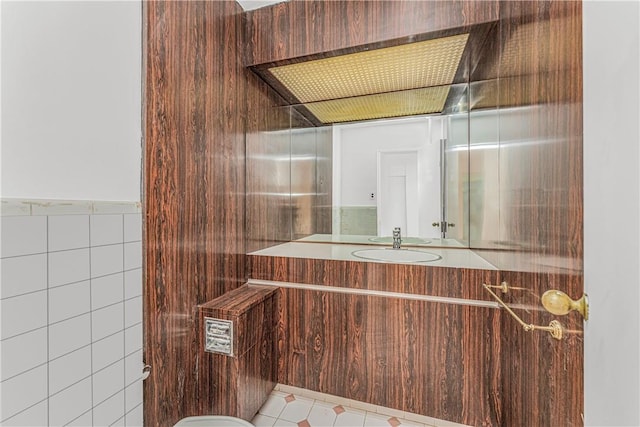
(398, 197)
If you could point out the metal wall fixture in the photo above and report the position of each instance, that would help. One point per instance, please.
(555, 328)
(559, 303)
(218, 336)
(146, 371)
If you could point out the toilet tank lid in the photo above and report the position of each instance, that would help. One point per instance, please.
(213, 421)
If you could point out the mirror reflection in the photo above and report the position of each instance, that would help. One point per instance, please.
(379, 141)
(408, 173)
(403, 172)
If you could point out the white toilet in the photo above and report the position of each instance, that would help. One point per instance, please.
(213, 421)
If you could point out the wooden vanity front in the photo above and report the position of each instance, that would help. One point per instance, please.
(421, 339)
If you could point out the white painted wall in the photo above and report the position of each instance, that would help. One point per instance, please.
(612, 212)
(71, 100)
(71, 130)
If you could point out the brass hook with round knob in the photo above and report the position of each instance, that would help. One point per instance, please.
(558, 303)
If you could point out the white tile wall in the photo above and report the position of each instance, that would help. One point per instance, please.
(69, 369)
(70, 335)
(69, 301)
(23, 275)
(36, 415)
(70, 403)
(23, 235)
(107, 229)
(107, 321)
(109, 411)
(107, 290)
(68, 232)
(23, 313)
(23, 352)
(83, 420)
(132, 280)
(23, 391)
(108, 381)
(71, 311)
(106, 260)
(68, 267)
(108, 351)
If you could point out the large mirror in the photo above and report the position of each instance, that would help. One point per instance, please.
(380, 140)
(372, 176)
(405, 172)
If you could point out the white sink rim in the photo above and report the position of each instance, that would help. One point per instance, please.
(396, 255)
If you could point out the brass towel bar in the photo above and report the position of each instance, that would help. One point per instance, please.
(555, 328)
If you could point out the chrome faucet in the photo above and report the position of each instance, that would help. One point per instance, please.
(397, 240)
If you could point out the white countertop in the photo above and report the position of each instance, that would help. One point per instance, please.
(450, 257)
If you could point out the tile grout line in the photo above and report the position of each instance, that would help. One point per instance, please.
(22, 411)
(48, 337)
(91, 318)
(124, 329)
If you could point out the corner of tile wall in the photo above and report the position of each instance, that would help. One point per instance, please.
(71, 308)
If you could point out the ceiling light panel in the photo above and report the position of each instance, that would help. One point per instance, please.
(409, 66)
(384, 105)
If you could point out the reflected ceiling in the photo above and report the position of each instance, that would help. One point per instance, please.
(376, 83)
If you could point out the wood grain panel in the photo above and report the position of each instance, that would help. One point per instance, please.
(300, 28)
(538, 93)
(426, 358)
(193, 189)
(536, 83)
(436, 359)
(404, 278)
(542, 378)
(541, 205)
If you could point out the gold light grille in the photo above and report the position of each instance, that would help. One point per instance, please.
(416, 65)
(383, 105)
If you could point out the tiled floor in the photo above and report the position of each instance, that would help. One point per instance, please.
(284, 409)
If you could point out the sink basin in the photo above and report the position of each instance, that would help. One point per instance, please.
(405, 240)
(396, 255)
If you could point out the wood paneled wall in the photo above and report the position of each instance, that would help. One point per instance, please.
(422, 357)
(545, 209)
(535, 90)
(403, 278)
(194, 184)
(300, 28)
(193, 189)
(532, 60)
(536, 83)
(542, 378)
(429, 358)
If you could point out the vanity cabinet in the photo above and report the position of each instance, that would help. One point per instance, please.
(425, 340)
